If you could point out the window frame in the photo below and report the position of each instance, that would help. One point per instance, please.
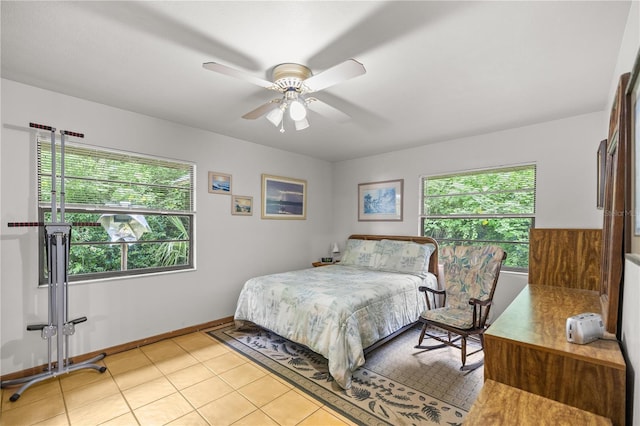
(457, 241)
(44, 208)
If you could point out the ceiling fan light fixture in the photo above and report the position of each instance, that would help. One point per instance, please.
(302, 124)
(294, 82)
(297, 111)
(275, 116)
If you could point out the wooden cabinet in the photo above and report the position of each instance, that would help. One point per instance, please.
(565, 257)
(526, 348)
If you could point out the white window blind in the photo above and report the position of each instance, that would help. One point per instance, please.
(99, 178)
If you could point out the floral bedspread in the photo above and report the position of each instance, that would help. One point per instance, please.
(334, 310)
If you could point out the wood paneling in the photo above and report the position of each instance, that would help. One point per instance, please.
(526, 348)
(565, 257)
(499, 404)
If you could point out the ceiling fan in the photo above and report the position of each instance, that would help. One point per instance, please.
(295, 82)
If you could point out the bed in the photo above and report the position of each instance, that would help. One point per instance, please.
(343, 310)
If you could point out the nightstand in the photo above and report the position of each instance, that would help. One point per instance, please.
(316, 264)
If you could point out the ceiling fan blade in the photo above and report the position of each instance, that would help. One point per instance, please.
(261, 110)
(327, 110)
(334, 75)
(223, 69)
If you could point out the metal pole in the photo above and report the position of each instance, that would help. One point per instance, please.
(61, 176)
(54, 213)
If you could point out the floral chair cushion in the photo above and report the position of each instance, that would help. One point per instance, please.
(469, 272)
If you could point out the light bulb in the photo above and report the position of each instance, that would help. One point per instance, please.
(297, 111)
(275, 116)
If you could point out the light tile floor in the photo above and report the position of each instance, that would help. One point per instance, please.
(188, 380)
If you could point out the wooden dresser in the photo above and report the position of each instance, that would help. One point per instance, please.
(499, 404)
(526, 347)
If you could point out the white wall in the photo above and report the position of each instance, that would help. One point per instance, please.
(229, 249)
(564, 152)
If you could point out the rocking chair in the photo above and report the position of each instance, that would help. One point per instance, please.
(470, 276)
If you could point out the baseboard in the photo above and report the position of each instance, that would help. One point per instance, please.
(124, 347)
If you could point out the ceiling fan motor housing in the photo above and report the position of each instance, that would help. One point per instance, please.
(288, 75)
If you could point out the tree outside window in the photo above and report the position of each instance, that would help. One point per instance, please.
(495, 206)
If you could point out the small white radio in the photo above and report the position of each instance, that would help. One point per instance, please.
(584, 328)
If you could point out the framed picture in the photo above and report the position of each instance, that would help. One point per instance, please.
(602, 167)
(219, 183)
(380, 201)
(242, 205)
(616, 223)
(283, 198)
(633, 91)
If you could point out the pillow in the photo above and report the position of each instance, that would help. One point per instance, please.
(404, 256)
(359, 253)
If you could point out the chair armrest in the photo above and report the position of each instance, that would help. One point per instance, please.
(427, 290)
(474, 301)
(480, 311)
(431, 290)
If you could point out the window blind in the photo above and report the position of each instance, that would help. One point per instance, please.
(106, 179)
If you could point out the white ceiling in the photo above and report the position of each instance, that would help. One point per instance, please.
(436, 70)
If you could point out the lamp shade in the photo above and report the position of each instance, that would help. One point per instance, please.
(297, 111)
(302, 124)
(275, 116)
(335, 248)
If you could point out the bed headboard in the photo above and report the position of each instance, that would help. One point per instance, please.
(433, 261)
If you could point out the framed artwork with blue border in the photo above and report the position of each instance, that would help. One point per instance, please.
(380, 201)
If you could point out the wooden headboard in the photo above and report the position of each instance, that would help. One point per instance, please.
(433, 261)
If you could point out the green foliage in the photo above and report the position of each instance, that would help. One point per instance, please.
(488, 207)
(92, 251)
(171, 253)
(99, 182)
(102, 178)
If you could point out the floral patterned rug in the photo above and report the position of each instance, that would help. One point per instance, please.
(374, 398)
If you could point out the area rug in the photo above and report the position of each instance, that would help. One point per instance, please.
(398, 385)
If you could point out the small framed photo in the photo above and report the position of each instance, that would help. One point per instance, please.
(219, 183)
(242, 205)
(283, 198)
(380, 201)
(602, 166)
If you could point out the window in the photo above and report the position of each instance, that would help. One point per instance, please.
(494, 206)
(144, 207)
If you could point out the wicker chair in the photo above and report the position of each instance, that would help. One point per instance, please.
(470, 277)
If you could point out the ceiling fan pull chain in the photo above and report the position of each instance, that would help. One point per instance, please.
(282, 126)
